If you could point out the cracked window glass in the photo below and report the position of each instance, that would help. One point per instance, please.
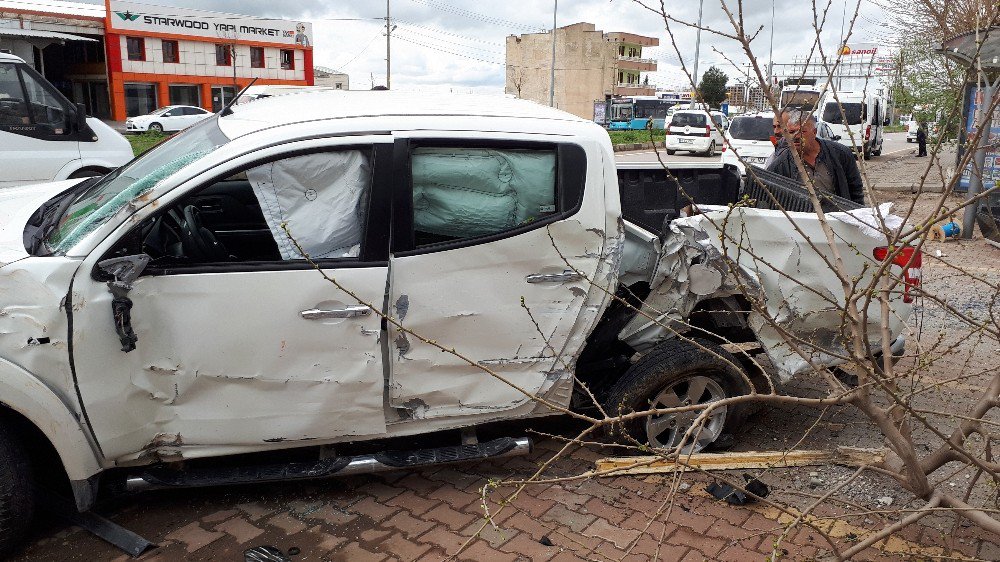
(463, 193)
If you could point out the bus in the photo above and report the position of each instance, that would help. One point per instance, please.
(634, 112)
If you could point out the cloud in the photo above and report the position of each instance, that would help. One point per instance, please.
(459, 43)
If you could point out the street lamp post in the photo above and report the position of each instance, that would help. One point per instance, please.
(552, 75)
(697, 45)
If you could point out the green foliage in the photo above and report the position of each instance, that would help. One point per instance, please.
(713, 87)
(628, 137)
(927, 85)
(144, 141)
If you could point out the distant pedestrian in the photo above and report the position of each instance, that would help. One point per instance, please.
(922, 140)
(830, 166)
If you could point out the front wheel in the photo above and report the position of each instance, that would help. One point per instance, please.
(676, 374)
(17, 500)
(155, 128)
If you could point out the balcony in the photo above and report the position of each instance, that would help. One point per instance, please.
(636, 63)
(634, 90)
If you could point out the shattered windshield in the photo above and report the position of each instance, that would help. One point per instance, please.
(101, 201)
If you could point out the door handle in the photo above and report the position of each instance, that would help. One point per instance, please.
(565, 276)
(346, 312)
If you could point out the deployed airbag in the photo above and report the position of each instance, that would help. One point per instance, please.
(321, 197)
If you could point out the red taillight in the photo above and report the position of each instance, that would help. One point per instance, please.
(868, 133)
(708, 131)
(908, 258)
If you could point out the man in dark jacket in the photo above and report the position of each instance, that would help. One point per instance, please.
(922, 140)
(830, 165)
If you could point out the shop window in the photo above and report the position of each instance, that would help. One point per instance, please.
(287, 59)
(136, 47)
(223, 55)
(257, 57)
(140, 99)
(185, 95)
(171, 53)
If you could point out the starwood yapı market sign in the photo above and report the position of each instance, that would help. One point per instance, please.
(131, 16)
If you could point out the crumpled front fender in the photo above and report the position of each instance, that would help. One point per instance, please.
(23, 393)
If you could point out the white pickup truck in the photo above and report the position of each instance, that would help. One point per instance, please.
(160, 320)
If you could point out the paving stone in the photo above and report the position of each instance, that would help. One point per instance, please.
(219, 516)
(408, 525)
(452, 518)
(240, 529)
(354, 552)
(372, 509)
(332, 515)
(603, 529)
(399, 546)
(287, 523)
(254, 511)
(194, 536)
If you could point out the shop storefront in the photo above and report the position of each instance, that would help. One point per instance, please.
(128, 58)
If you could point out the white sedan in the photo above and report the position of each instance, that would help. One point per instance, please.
(169, 118)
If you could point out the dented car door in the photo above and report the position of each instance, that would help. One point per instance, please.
(243, 345)
(476, 267)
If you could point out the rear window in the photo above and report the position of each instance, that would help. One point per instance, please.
(854, 112)
(751, 128)
(688, 120)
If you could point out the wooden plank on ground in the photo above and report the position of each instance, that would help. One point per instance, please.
(847, 456)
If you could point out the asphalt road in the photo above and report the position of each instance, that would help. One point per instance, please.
(894, 145)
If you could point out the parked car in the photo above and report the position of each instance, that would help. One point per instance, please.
(696, 130)
(167, 323)
(911, 131)
(170, 118)
(44, 137)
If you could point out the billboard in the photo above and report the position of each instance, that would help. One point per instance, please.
(991, 168)
(140, 19)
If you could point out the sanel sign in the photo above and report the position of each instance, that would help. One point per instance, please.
(859, 50)
(131, 16)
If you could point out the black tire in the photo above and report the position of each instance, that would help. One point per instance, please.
(667, 367)
(17, 498)
(671, 152)
(87, 173)
(155, 128)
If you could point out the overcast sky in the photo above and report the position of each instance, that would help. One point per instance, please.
(459, 44)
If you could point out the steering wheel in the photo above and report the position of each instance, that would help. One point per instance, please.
(201, 239)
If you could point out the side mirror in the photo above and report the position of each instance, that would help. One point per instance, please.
(125, 270)
(81, 117)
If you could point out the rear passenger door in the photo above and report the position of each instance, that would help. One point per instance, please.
(476, 267)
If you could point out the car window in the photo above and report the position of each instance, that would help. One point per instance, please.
(173, 113)
(854, 112)
(194, 111)
(321, 199)
(46, 109)
(13, 109)
(114, 191)
(719, 121)
(688, 120)
(461, 193)
(751, 128)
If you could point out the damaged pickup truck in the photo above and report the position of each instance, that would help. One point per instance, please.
(162, 326)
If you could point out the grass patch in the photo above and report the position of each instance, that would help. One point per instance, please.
(144, 141)
(895, 128)
(628, 137)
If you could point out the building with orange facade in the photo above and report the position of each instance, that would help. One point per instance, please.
(127, 58)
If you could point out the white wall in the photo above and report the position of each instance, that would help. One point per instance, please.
(197, 58)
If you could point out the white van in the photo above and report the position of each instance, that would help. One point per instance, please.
(696, 130)
(43, 137)
(861, 123)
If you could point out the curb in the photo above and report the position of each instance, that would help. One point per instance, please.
(637, 146)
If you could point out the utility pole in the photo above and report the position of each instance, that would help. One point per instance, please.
(388, 53)
(697, 48)
(770, 49)
(552, 74)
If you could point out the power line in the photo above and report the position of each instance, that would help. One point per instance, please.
(468, 37)
(432, 38)
(475, 15)
(365, 48)
(439, 49)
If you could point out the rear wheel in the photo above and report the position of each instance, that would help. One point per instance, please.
(17, 500)
(674, 374)
(87, 173)
(155, 128)
(671, 152)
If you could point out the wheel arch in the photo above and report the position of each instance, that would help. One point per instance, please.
(37, 412)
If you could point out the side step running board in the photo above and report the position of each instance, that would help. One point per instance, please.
(161, 477)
